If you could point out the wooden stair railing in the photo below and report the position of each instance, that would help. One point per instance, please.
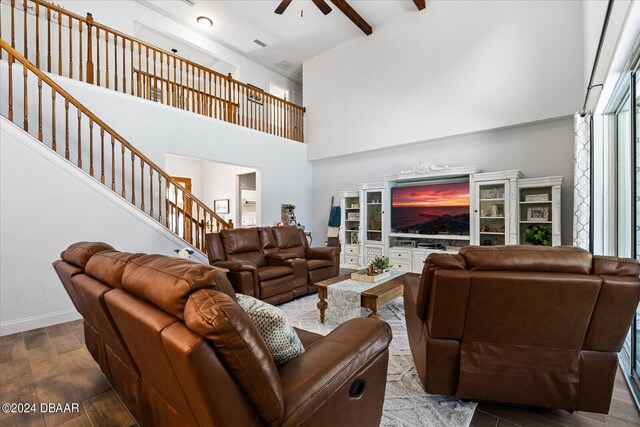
(78, 47)
(67, 127)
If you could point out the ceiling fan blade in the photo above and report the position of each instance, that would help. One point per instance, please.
(282, 6)
(324, 7)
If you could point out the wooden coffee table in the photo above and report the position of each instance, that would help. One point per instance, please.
(374, 298)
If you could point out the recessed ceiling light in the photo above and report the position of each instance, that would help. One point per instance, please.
(204, 22)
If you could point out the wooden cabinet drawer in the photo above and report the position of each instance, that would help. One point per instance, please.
(351, 260)
(399, 254)
(351, 250)
(401, 266)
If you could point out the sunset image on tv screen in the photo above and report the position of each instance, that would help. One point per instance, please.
(431, 209)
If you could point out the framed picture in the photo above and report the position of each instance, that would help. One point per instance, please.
(538, 214)
(254, 94)
(221, 206)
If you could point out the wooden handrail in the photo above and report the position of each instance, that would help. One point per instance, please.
(169, 82)
(271, 114)
(69, 100)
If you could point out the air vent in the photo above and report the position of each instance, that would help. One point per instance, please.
(260, 43)
(189, 2)
(285, 65)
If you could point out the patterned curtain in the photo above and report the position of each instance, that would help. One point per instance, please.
(582, 180)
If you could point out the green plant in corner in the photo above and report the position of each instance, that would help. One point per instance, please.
(537, 235)
(380, 263)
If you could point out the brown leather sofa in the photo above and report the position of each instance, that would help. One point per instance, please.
(170, 338)
(274, 264)
(523, 325)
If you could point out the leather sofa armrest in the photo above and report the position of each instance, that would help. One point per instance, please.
(311, 380)
(322, 253)
(243, 276)
(280, 256)
(236, 266)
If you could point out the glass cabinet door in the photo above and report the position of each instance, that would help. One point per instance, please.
(492, 224)
(352, 220)
(373, 220)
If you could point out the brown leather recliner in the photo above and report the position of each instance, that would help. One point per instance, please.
(170, 338)
(274, 264)
(523, 325)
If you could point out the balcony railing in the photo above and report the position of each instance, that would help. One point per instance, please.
(78, 47)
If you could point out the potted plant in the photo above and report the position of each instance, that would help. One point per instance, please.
(380, 264)
(537, 234)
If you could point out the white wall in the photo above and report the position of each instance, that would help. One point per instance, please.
(45, 205)
(123, 15)
(594, 12)
(210, 181)
(455, 68)
(157, 130)
(541, 149)
(608, 71)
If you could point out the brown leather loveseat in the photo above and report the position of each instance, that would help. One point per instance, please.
(524, 325)
(274, 264)
(174, 344)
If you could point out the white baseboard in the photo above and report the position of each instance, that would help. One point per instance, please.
(35, 322)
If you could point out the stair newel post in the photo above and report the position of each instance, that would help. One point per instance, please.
(89, 72)
(230, 226)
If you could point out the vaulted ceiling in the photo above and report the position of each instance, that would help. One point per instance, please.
(291, 38)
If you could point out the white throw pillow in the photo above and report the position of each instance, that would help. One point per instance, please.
(276, 330)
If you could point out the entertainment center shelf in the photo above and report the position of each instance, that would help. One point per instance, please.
(446, 208)
(430, 237)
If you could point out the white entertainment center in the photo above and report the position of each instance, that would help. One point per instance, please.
(502, 206)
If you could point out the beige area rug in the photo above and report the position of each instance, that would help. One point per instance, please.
(405, 402)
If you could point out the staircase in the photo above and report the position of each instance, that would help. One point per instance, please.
(33, 101)
(60, 42)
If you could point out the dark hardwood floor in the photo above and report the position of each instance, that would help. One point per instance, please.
(623, 412)
(51, 365)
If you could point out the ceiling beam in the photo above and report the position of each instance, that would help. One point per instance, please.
(420, 4)
(353, 16)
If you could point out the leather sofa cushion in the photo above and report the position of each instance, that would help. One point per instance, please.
(314, 264)
(268, 273)
(79, 253)
(276, 286)
(267, 240)
(240, 240)
(558, 259)
(167, 282)
(108, 267)
(219, 318)
(612, 266)
(289, 238)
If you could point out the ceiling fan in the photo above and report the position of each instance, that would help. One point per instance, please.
(324, 7)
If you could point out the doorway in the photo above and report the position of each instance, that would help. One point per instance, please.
(247, 198)
(183, 208)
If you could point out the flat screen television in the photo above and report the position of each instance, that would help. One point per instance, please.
(438, 208)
